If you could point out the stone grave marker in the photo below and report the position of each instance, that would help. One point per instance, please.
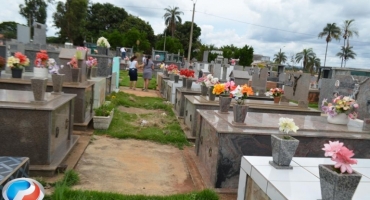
(205, 56)
(224, 66)
(23, 34)
(39, 33)
(65, 56)
(259, 81)
(115, 71)
(211, 67)
(240, 77)
(296, 88)
(238, 67)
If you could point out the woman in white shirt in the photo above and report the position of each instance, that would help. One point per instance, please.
(132, 72)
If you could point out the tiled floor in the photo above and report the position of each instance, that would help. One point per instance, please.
(303, 182)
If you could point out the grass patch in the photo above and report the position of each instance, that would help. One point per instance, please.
(159, 127)
(313, 105)
(140, 81)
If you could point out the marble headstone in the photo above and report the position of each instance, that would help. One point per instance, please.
(296, 88)
(240, 77)
(224, 66)
(205, 56)
(211, 67)
(259, 80)
(65, 56)
(23, 34)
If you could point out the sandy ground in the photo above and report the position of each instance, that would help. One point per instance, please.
(133, 167)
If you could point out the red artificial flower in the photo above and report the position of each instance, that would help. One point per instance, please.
(187, 73)
(22, 58)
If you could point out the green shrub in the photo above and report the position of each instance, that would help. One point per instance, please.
(104, 110)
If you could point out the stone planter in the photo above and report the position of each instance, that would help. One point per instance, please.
(172, 77)
(240, 112)
(177, 77)
(341, 119)
(88, 73)
(38, 86)
(225, 102)
(203, 90)
(189, 83)
(337, 186)
(16, 72)
(94, 71)
(102, 122)
(277, 99)
(57, 80)
(40, 72)
(184, 82)
(211, 96)
(75, 72)
(283, 151)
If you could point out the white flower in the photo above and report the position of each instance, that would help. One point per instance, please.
(209, 77)
(346, 99)
(268, 94)
(237, 93)
(287, 124)
(214, 80)
(103, 42)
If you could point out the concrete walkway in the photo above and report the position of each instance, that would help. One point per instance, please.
(139, 92)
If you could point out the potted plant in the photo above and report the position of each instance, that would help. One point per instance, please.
(283, 145)
(223, 91)
(41, 64)
(17, 63)
(276, 93)
(103, 45)
(339, 181)
(91, 63)
(75, 71)
(187, 74)
(240, 94)
(2, 64)
(209, 83)
(103, 116)
(340, 110)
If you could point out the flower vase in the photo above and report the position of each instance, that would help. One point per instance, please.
(165, 73)
(283, 151)
(88, 73)
(177, 77)
(211, 96)
(38, 86)
(75, 72)
(57, 80)
(172, 77)
(16, 72)
(40, 72)
(94, 71)
(337, 186)
(203, 90)
(189, 83)
(184, 82)
(224, 102)
(240, 112)
(277, 99)
(341, 119)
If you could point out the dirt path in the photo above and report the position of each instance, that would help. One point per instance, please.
(133, 167)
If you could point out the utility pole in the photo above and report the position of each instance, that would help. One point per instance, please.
(165, 37)
(191, 34)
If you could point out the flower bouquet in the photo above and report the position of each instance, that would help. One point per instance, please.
(287, 125)
(338, 181)
(187, 73)
(75, 71)
(340, 104)
(224, 88)
(42, 59)
(91, 62)
(275, 92)
(240, 93)
(172, 68)
(16, 64)
(73, 62)
(103, 42)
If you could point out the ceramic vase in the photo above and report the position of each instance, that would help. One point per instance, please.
(176, 78)
(38, 86)
(240, 112)
(341, 119)
(57, 80)
(94, 71)
(283, 151)
(75, 72)
(16, 72)
(277, 99)
(337, 186)
(88, 73)
(172, 77)
(224, 102)
(189, 83)
(40, 72)
(211, 96)
(203, 90)
(184, 82)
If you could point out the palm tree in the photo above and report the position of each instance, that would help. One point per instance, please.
(305, 55)
(171, 17)
(348, 31)
(330, 31)
(346, 54)
(280, 57)
(313, 62)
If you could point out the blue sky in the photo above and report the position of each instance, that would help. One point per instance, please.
(267, 25)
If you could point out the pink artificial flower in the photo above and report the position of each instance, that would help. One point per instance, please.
(355, 105)
(350, 115)
(344, 161)
(332, 148)
(336, 99)
(230, 85)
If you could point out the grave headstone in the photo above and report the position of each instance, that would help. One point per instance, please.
(224, 65)
(39, 33)
(238, 67)
(296, 88)
(3, 51)
(115, 69)
(211, 67)
(240, 77)
(205, 56)
(259, 81)
(23, 34)
(65, 56)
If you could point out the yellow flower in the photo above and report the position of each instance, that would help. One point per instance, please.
(113, 97)
(218, 89)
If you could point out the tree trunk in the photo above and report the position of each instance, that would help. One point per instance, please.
(326, 51)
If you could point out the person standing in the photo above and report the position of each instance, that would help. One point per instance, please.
(123, 52)
(132, 72)
(148, 72)
(144, 59)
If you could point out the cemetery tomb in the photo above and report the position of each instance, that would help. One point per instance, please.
(180, 98)
(259, 81)
(161, 79)
(99, 90)
(221, 144)
(296, 87)
(171, 90)
(65, 56)
(193, 103)
(240, 77)
(41, 132)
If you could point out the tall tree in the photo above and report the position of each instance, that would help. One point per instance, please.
(346, 54)
(9, 30)
(330, 31)
(70, 17)
(348, 31)
(173, 45)
(139, 24)
(230, 51)
(34, 11)
(131, 38)
(313, 63)
(183, 34)
(280, 57)
(246, 56)
(304, 55)
(171, 17)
